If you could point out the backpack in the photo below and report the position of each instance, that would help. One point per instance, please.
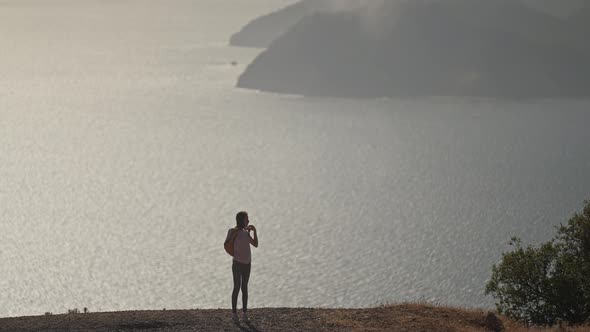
(229, 244)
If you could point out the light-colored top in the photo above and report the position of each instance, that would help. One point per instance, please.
(242, 252)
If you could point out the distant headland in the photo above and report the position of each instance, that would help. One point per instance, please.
(496, 48)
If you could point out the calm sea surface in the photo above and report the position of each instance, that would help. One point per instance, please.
(125, 152)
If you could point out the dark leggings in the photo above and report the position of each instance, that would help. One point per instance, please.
(241, 274)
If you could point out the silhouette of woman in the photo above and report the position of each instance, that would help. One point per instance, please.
(241, 264)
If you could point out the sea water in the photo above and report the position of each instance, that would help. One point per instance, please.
(126, 151)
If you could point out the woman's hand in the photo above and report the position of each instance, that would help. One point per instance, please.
(255, 239)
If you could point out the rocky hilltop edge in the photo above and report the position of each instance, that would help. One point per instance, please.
(402, 317)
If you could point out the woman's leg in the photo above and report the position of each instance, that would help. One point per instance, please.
(234, 296)
(245, 277)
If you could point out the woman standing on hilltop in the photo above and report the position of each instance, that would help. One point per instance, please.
(241, 239)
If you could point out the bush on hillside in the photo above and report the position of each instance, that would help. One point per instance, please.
(547, 283)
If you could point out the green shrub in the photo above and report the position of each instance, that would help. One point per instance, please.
(547, 283)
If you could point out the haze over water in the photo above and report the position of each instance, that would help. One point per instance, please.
(125, 152)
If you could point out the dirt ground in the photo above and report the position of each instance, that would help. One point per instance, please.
(399, 318)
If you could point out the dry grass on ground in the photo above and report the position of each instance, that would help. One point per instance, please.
(399, 318)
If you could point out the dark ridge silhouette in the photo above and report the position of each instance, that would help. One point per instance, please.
(263, 30)
(581, 19)
(478, 48)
